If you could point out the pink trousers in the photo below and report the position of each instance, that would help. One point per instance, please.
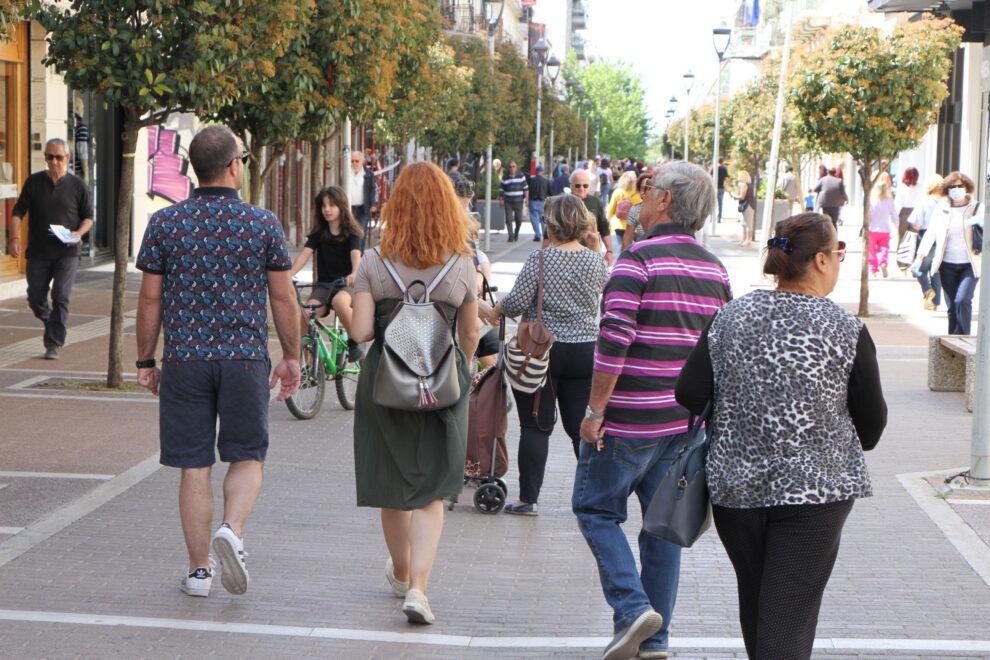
(879, 249)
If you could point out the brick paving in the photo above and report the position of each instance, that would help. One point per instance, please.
(316, 560)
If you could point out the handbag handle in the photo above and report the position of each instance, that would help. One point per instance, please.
(539, 291)
(694, 423)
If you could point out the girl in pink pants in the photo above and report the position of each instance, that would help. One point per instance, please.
(883, 222)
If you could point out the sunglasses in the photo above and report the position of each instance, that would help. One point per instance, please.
(841, 250)
(582, 185)
(58, 157)
(956, 185)
(243, 157)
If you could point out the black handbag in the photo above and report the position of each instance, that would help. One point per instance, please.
(680, 510)
(743, 205)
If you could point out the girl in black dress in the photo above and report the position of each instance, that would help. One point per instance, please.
(336, 240)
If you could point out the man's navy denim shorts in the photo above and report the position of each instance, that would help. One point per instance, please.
(194, 394)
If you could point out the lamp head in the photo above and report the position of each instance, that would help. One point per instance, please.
(721, 36)
(553, 68)
(673, 100)
(493, 11)
(541, 48)
(587, 104)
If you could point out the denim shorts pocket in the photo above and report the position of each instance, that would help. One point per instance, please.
(633, 454)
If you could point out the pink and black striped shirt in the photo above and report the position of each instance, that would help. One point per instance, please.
(659, 298)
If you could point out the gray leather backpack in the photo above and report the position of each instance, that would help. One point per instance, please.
(418, 367)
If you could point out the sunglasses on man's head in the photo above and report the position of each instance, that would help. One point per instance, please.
(582, 185)
(243, 157)
(55, 156)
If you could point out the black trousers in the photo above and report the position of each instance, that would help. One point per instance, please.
(513, 217)
(58, 275)
(569, 387)
(832, 212)
(362, 214)
(783, 557)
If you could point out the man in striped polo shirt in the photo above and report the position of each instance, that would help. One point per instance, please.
(514, 194)
(660, 297)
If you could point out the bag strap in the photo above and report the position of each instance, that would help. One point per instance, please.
(429, 287)
(539, 291)
(694, 423)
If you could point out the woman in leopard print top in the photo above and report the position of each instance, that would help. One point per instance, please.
(796, 399)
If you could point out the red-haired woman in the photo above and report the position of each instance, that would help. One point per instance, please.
(335, 239)
(407, 462)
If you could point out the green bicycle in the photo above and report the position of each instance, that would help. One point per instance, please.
(323, 355)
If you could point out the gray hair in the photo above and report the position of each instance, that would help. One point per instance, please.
(692, 193)
(567, 217)
(60, 142)
(578, 171)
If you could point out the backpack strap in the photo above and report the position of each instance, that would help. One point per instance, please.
(443, 273)
(391, 271)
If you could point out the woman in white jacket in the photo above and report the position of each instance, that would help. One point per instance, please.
(956, 258)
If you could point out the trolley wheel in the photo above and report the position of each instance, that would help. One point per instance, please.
(489, 498)
(504, 486)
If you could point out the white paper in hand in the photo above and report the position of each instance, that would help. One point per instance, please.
(62, 233)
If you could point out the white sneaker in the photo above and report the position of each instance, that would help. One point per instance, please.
(399, 588)
(417, 608)
(199, 581)
(625, 644)
(229, 549)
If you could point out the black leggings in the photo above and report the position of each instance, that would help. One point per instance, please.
(571, 367)
(783, 556)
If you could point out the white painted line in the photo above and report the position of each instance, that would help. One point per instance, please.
(18, 327)
(10, 530)
(53, 373)
(960, 534)
(465, 641)
(59, 519)
(24, 384)
(137, 398)
(58, 475)
(955, 501)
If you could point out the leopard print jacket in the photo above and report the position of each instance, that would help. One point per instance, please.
(781, 429)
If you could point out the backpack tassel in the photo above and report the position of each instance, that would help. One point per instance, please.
(427, 399)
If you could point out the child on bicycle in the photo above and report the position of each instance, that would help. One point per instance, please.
(335, 238)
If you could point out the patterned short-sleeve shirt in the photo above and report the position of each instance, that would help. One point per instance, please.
(213, 251)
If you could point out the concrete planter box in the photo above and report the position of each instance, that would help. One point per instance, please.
(498, 214)
(781, 210)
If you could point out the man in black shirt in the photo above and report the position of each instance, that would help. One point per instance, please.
(539, 190)
(580, 183)
(51, 197)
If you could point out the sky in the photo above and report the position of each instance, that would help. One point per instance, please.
(661, 39)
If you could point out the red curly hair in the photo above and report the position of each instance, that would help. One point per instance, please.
(424, 222)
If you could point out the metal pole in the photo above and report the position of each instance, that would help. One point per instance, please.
(346, 148)
(539, 110)
(488, 157)
(586, 136)
(550, 153)
(979, 462)
(687, 124)
(778, 120)
(598, 138)
(715, 154)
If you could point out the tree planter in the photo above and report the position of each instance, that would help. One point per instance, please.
(781, 210)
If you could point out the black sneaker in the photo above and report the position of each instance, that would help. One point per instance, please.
(51, 352)
(354, 351)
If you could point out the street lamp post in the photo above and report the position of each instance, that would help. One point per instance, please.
(493, 14)
(688, 84)
(540, 49)
(587, 116)
(721, 36)
(673, 111)
(598, 133)
(552, 70)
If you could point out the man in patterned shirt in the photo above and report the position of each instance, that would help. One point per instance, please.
(210, 263)
(657, 301)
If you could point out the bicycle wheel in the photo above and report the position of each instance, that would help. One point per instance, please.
(308, 399)
(346, 380)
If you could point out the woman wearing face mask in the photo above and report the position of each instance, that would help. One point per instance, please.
(955, 231)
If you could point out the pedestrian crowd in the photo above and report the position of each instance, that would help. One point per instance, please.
(642, 334)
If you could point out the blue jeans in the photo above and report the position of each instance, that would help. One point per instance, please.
(536, 219)
(959, 283)
(604, 481)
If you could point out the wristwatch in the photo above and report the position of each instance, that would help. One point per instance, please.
(591, 414)
(145, 364)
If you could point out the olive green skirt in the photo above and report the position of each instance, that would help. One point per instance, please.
(406, 460)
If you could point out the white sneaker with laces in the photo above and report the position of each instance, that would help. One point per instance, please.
(229, 549)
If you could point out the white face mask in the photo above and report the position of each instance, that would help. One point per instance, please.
(957, 194)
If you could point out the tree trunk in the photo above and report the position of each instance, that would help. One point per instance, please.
(866, 174)
(316, 173)
(289, 214)
(254, 172)
(121, 247)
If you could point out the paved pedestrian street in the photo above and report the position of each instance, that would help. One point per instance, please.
(91, 550)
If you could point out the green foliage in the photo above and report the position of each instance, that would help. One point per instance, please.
(155, 56)
(701, 135)
(874, 95)
(617, 96)
(761, 191)
(751, 116)
(13, 11)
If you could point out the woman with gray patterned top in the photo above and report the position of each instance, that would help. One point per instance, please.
(572, 291)
(796, 396)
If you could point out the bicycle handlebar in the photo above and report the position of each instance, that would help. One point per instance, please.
(300, 287)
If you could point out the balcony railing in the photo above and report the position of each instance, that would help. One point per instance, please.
(462, 16)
